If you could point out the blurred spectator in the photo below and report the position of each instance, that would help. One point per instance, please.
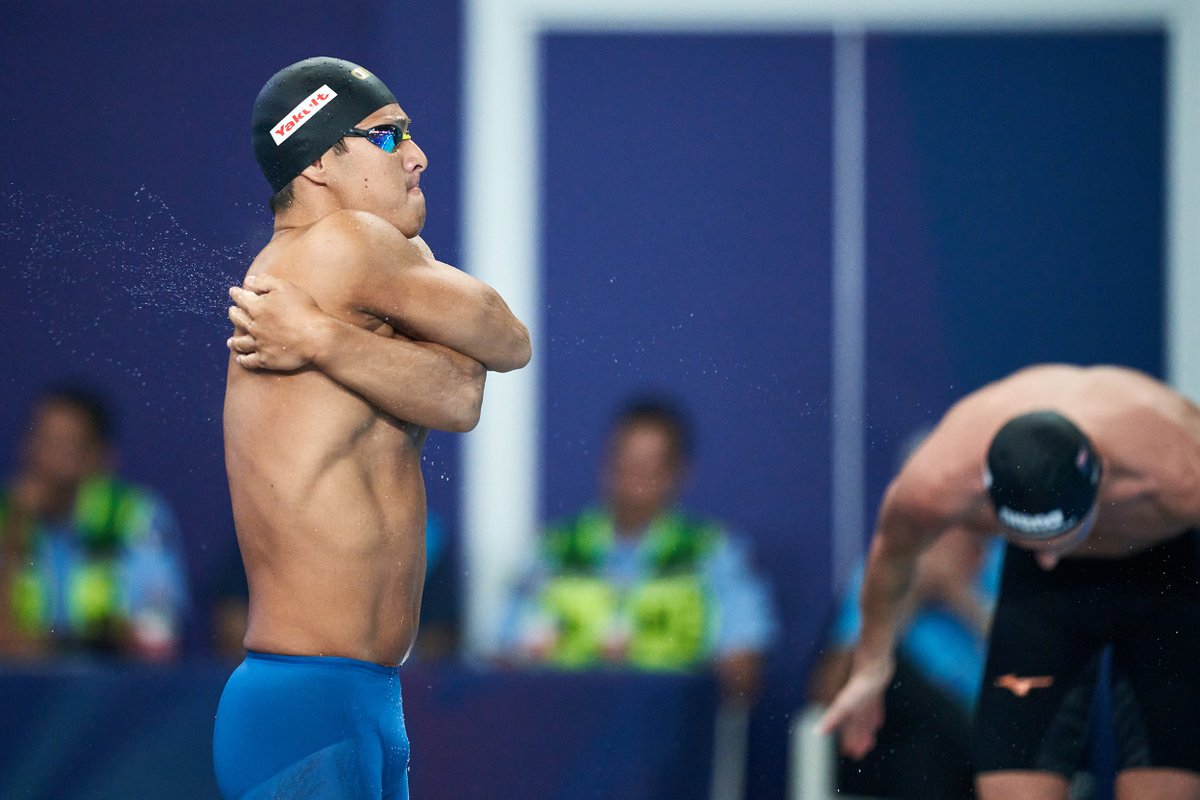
(924, 747)
(88, 562)
(635, 581)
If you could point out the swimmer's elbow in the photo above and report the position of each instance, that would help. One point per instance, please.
(507, 338)
(522, 347)
(517, 353)
(464, 422)
(468, 403)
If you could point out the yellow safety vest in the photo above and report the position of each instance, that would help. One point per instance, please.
(108, 515)
(665, 615)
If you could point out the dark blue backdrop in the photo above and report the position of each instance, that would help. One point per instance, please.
(687, 250)
(1014, 215)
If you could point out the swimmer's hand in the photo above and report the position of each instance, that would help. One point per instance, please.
(276, 324)
(857, 711)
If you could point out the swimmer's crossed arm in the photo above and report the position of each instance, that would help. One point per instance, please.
(460, 323)
(905, 530)
(399, 280)
(279, 327)
(381, 273)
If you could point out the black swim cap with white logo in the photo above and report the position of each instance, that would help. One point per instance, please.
(304, 109)
(1042, 475)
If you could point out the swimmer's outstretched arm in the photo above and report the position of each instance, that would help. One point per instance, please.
(887, 599)
(398, 280)
(279, 327)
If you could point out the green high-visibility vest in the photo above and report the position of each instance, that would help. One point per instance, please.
(666, 615)
(108, 515)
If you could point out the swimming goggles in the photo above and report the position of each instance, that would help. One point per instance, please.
(386, 137)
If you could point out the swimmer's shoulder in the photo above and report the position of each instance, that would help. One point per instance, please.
(1096, 379)
(1119, 395)
(925, 499)
(333, 255)
(353, 239)
(942, 476)
(1050, 385)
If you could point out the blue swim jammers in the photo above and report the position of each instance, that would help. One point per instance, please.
(311, 727)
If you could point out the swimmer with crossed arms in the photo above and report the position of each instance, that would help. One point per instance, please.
(350, 342)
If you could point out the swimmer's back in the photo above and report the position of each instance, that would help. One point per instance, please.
(327, 491)
(1148, 437)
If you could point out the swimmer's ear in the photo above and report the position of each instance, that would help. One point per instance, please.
(316, 172)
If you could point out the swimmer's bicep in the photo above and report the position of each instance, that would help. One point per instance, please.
(377, 270)
(912, 517)
(393, 279)
(428, 300)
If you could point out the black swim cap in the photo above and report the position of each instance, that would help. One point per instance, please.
(1042, 475)
(305, 109)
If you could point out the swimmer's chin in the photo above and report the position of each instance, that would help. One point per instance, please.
(412, 229)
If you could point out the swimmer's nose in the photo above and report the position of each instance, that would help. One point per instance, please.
(414, 157)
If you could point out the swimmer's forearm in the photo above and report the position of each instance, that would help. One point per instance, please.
(478, 323)
(498, 340)
(419, 382)
(438, 303)
(966, 604)
(886, 601)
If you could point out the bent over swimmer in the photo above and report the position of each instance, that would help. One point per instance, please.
(1093, 476)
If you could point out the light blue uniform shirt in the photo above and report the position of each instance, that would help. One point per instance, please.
(151, 577)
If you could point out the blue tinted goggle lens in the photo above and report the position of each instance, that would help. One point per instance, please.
(384, 140)
(386, 137)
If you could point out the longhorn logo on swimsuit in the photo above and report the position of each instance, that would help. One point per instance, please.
(1023, 686)
(301, 114)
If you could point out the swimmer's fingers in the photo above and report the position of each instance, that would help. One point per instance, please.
(248, 302)
(856, 715)
(240, 319)
(261, 284)
(250, 360)
(243, 344)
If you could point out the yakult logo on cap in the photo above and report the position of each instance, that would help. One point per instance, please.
(301, 114)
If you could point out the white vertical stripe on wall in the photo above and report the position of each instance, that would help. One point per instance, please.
(849, 351)
(1183, 201)
(500, 247)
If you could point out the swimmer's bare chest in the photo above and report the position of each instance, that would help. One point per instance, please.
(329, 505)
(310, 441)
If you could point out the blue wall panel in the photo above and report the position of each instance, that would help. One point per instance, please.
(686, 240)
(1015, 214)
